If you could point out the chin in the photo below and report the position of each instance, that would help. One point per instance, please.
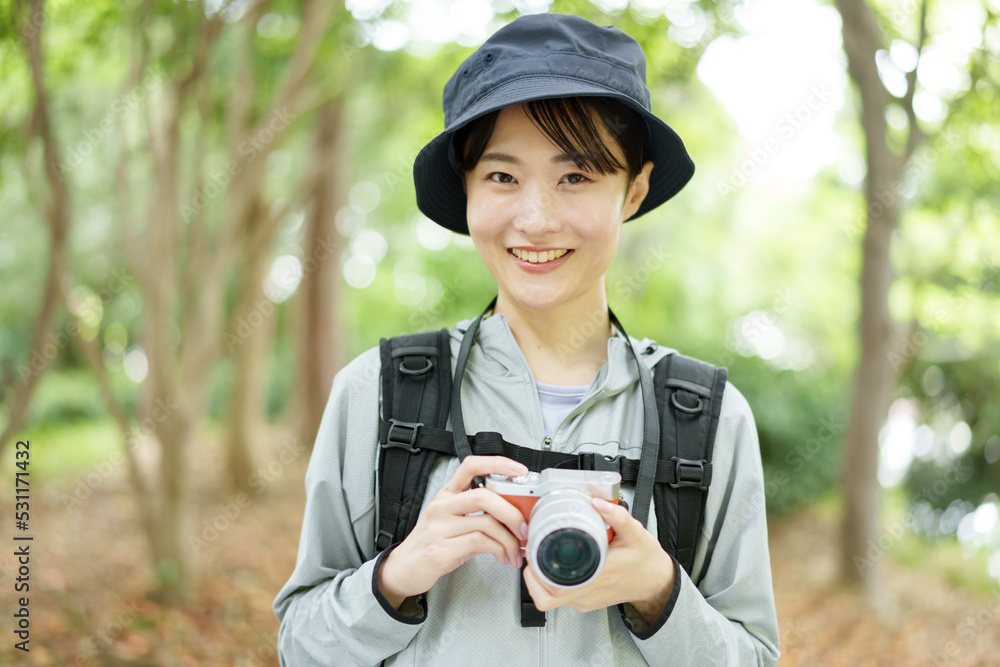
(536, 301)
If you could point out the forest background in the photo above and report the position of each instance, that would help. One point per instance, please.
(206, 209)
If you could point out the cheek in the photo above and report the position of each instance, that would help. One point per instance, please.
(486, 218)
(483, 233)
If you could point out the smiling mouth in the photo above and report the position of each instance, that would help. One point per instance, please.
(538, 257)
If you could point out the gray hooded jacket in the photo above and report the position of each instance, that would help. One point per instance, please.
(331, 612)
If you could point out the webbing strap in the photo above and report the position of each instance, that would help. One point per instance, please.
(689, 395)
(393, 469)
(490, 443)
(416, 383)
(689, 448)
(462, 448)
(650, 435)
(531, 617)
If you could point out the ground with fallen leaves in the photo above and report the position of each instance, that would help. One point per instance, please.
(90, 599)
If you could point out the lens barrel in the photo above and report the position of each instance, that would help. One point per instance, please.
(568, 556)
(567, 538)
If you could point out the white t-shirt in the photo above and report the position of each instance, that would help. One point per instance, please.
(558, 401)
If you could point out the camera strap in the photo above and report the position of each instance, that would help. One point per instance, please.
(645, 478)
(681, 404)
(650, 428)
(650, 434)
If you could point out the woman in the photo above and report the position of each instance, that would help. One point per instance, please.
(550, 146)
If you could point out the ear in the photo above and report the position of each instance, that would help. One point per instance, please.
(637, 191)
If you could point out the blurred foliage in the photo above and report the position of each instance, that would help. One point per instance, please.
(68, 396)
(705, 274)
(947, 395)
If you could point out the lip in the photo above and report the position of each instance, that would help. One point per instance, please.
(538, 268)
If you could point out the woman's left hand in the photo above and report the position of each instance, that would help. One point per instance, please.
(636, 570)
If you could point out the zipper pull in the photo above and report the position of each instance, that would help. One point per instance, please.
(548, 441)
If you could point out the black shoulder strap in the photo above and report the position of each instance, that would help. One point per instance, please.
(416, 401)
(689, 399)
(416, 392)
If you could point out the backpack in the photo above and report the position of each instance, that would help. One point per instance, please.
(417, 398)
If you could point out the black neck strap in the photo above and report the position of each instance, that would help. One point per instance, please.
(462, 448)
(650, 430)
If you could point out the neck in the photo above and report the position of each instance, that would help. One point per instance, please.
(566, 344)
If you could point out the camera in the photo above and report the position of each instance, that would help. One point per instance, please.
(567, 538)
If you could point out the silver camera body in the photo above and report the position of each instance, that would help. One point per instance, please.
(567, 538)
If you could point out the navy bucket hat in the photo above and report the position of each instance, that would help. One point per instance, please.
(539, 56)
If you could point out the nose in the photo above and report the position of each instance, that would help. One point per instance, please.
(537, 210)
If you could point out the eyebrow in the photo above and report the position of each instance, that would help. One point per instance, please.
(495, 156)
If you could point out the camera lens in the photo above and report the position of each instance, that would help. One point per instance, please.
(568, 556)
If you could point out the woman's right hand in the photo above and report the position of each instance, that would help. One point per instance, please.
(445, 536)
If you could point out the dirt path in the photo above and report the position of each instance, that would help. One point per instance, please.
(89, 577)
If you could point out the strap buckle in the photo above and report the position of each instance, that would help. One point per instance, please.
(689, 472)
(383, 539)
(691, 410)
(598, 461)
(402, 440)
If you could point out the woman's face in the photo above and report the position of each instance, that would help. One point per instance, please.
(546, 229)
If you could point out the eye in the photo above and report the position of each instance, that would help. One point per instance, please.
(502, 177)
(579, 178)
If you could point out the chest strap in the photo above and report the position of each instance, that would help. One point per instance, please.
(414, 437)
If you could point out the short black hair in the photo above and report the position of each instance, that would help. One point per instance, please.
(569, 123)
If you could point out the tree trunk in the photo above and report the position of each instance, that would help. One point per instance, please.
(248, 340)
(861, 555)
(58, 217)
(872, 386)
(183, 291)
(171, 552)
(321, 335)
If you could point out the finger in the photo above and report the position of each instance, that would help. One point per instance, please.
(493, 504)
(488, 526)
(540, 595)
(466, 545)
(614, 515)
(473, 466)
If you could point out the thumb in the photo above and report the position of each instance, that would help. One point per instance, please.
(614, 515)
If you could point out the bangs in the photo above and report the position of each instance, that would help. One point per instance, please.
(572, 124)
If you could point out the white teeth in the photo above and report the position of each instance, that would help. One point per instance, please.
(538, 257)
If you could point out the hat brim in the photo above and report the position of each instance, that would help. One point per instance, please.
(439, 192)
